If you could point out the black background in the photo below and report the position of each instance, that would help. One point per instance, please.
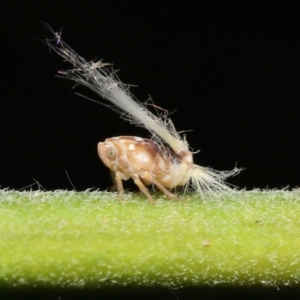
(229, 71)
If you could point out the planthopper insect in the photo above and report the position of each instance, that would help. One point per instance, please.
(164, 160)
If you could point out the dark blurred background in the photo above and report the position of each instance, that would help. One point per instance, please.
(230, 73)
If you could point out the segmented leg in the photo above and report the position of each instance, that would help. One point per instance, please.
(147, 175)
(143, 189)
(118, 178)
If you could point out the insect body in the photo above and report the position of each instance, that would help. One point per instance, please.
(164, 160)
(145, 162)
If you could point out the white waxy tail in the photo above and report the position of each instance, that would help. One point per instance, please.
(104, 81)
(206, 179)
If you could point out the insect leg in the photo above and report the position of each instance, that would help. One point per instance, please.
(146, 175)
(118, 178)
(143, 189)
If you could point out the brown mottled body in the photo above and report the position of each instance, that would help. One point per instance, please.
(146, 162)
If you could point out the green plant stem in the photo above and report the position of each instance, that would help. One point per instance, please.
(75, 239)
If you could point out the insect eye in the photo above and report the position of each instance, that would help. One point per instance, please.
(111, 152)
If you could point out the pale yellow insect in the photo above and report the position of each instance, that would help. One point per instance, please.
(164, 160)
